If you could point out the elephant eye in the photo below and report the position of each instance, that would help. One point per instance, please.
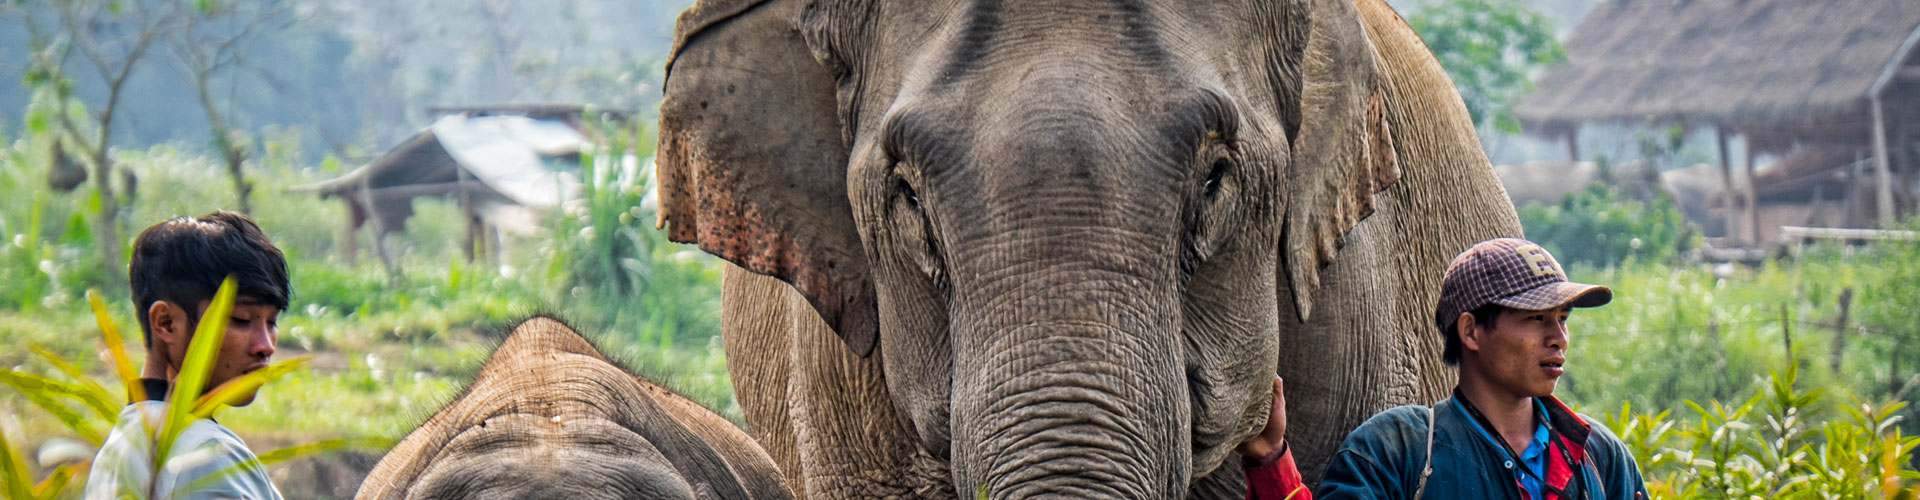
(1214, 176)
(906, 192)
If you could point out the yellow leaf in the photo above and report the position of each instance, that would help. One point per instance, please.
(57, 480)
(122, 364)
(245, 384)
(13, 466)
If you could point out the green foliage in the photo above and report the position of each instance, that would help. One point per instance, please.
(1889, 318)
(1489, 48)
(630, 280)
(1601, 227)
(1778, 441)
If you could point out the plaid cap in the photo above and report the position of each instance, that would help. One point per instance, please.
(1514, 273)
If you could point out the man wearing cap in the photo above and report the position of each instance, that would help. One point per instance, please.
(1502, 434)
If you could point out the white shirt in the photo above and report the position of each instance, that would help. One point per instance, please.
(208, 461)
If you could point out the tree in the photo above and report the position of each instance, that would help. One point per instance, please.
(111, 38)
(1489, 48)
(211, 42)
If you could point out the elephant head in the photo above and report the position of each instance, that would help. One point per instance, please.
(549, 416)
(1069, 229)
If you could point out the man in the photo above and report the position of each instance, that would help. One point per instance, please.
(1503, 311)
(177, 266)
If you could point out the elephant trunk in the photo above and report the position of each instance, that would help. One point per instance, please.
(1078, 409)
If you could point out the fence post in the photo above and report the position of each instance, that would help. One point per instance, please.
(1840, 330)
(1786, 331)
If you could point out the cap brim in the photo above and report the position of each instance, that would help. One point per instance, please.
(1556, 295)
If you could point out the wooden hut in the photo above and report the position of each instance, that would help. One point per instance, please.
(506, 168)
(1831, 87)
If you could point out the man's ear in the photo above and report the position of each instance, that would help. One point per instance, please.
(1470, 332)
(167, 323)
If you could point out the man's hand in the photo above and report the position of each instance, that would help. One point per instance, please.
(1274, 436)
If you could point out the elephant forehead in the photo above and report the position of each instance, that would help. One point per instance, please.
(528, 456)
(548, 384)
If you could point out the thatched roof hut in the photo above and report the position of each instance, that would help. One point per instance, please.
(507, 169)
(1724, 61)
(1785, 74)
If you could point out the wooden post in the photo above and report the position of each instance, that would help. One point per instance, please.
(1573, 144)
(1840, 330)
(1753, 197)
(467, 214)
(1883, 174)
(350, 238)
(1726, 182)
(1786, 332)
(379, 232)
(1851, 215)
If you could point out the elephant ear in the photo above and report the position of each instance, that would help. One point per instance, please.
(1343, 153)
(752, 162)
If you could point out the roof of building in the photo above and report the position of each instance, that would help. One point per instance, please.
(1723, 61)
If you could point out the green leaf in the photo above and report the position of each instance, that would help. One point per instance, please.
(39, 121)
(202, 353)
(95, 396)
(47, 394)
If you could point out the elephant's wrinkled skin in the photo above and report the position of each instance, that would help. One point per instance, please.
(549, 416)
(1057, 247)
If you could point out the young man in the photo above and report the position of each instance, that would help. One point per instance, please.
(1503, 310)
(177, 266)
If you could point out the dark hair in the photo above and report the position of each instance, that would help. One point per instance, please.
(183, 259)
(1486, 316)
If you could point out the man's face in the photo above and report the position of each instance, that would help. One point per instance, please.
(252, 331)
(1525, 352)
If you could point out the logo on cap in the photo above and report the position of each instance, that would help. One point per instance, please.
(1538, 260)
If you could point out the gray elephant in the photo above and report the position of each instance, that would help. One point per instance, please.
(549, 416)
(1047, 248)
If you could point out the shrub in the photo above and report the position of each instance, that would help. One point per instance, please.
(1779, 441)
(1600, 227)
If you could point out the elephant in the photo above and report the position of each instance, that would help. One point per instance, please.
(1061, 248)
(549, 416)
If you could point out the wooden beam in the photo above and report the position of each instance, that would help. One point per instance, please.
(1883, 175)
(1834, 233)
(414, 190)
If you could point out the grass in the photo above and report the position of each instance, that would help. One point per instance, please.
(384, 355)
